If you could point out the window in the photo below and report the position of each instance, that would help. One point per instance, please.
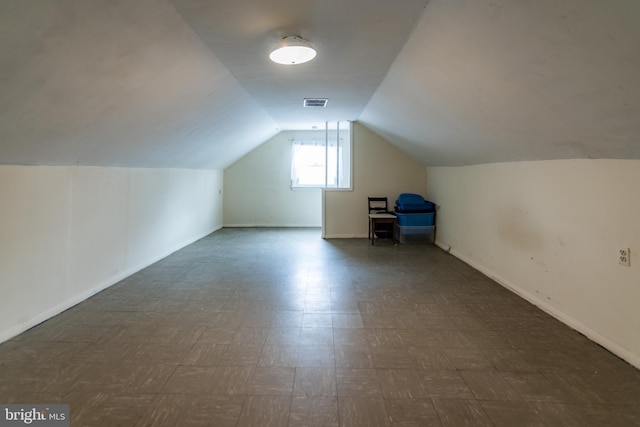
(322, 159)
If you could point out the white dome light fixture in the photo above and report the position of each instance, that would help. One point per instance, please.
(293, 50)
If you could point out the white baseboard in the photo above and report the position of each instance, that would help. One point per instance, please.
(271, 226)
(594, 336)
(345, 236)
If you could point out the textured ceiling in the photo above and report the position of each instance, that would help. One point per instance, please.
(503, 80)
(356, 40)
(187, 83)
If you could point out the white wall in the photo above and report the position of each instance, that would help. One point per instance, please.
(257, 189)
(69, 232)
(379, 169)
(550, 230)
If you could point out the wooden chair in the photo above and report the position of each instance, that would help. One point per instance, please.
(380, 205)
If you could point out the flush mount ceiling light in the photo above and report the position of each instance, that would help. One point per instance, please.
(293, 50)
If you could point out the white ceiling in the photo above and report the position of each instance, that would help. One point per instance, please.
(187, 83)
(356, 41)
(485, 81)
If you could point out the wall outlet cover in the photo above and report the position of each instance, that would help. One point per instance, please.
(624, 257)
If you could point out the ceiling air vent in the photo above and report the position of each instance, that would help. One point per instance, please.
(315, 102)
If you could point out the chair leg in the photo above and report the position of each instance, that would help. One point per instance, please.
(373, 232)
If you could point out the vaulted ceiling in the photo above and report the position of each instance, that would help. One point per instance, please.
(188, 83)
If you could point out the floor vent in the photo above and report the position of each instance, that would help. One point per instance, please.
(315, 102)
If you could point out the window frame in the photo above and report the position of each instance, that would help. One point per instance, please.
(346, 169)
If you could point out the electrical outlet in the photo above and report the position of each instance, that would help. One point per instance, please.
(624, 257)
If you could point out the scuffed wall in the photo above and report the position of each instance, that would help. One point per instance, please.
(550, 231)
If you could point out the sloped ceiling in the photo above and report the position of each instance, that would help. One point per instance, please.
(356, 40)
(487, 81)
(187, 83)
(117, 83)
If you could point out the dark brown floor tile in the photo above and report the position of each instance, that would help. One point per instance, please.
(283, 336)
(357, 382)
(351, 356)
(317, 306)
(461, 412)
(105, 417)
(347, 320)
(287, 319)
(315, 382)
(292, 304)
(401, 384)
(216, 410)
(430, 358)
(250, 336)
(229, 320)
(11, 395)
(271, 380)
(484, 339)
(413, 322)
(547, 387)
(265, 411)
(258, 319)
(37, 351)
(240, 355)
(185, 341)
(67, 332)
(285, 356)
(465, 322)
(315, 356)
(205, 354)
(489, 385)
(156, 352)
(614, 415)
(149, 378)
(602, 388)
(344, 306)
(191, 379)
(316, 336)
(104, 352)
(355, 337)
(506, 414)
(101, 409)
(230, 380)
(445, 384)
(316, 411)
(317, 320)
(379, 321)
(389, 338)
(217, 336)
(469, 358)
(574, 415)
(208, 380)
(439, 338)
(373, 308)
(166, 410)
(555, 360)
(412, 412)
(392, 358)
(118, 378)
(27, 378)
(171, 334)
(318, 289)
(508, 360)
(357, 411)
